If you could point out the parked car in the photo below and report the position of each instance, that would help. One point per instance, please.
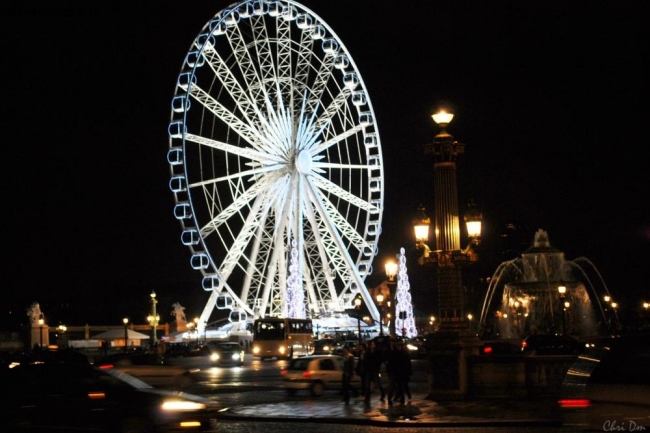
(126, 359)
(227, 353)
(59, 392)
(315, 373)
(608, 386)
(551, 344)
(175, 350)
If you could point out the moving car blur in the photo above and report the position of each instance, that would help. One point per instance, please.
(62, 391)
(226, 353)
(608, 386)
(324, 346)
(551, 344)
(315, 373)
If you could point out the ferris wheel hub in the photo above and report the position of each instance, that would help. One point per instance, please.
(303, 162)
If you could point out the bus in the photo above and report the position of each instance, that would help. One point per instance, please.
(282, 338)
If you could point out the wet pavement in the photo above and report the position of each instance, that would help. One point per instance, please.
(420, 411)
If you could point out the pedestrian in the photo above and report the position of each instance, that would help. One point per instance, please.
(374, 359)
(402, 372)
(391, 364)
(347, 374)
(362, 371)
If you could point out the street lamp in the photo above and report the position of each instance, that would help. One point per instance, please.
(391, 272)
(154, 318)
(196, 326)
(62, 328)
(380, 301)
(357, 306)
(40, 324)
(562, 291)
(446, 254)
(469, 318)
(126, 333)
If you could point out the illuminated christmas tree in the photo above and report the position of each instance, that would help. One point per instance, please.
(295, 305)
(404, 321)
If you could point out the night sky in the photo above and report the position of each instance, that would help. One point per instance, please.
(551, 100)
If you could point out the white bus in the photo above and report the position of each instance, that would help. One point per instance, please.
(282, 338)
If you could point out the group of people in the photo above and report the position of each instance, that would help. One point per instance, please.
(397, 365)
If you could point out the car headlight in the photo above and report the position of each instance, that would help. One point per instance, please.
(214, 356)
(181, 406)
(256, 350)
(411, 347)
(235, 356)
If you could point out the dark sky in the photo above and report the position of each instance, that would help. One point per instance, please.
(551, 100)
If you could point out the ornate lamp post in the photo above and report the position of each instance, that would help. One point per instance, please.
(391, 272)
(126, 333)
(41, 322)
(154, 318)
(380, 301)
(357, 306)
(447, 257)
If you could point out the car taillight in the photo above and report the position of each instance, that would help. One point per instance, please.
(106, 366)
(487, 350)
(306, 374)
(574, 402)
(523, 345)
(283, 372)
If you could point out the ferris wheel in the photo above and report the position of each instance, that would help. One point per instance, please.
(273, 143)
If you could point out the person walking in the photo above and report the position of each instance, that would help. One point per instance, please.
(362, 370)
(402, 372)
(374, 359)
(348, 372)
(391, 365)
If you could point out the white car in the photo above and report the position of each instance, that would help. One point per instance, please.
(316, 373)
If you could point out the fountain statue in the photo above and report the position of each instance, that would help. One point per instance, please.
(35, 314)
(523, 297)
(179, 312)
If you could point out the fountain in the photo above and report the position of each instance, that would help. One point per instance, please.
(531, 303)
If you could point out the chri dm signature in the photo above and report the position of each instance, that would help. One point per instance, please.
(610, 425)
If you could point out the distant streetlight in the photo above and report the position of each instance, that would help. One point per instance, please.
(380, 301)
(154, 318)
(357, 306)
(40, 324)
(62, 328)
(562, 291)
(126, 333)
(469, 318)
